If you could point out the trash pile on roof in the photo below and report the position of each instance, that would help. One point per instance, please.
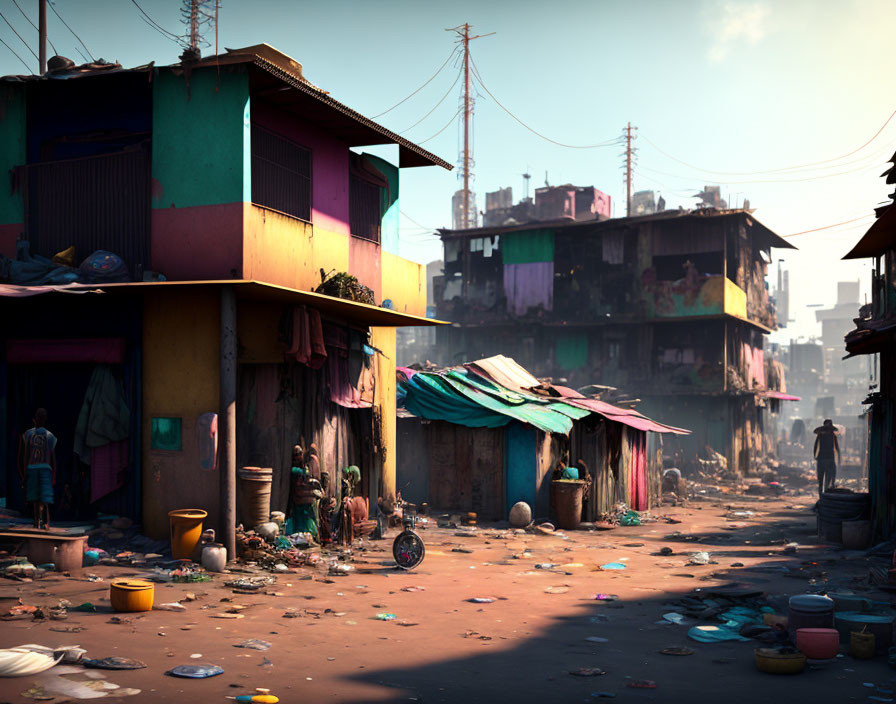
(491, 392)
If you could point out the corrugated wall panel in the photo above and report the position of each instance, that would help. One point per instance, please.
(100, 202)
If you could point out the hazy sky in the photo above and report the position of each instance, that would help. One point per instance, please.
(744, 87)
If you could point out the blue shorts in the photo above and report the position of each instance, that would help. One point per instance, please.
(39, 484)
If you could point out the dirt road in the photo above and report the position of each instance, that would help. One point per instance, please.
(441, 647)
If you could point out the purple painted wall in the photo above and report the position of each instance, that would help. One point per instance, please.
(329, 165)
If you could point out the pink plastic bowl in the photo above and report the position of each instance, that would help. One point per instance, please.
(818, 643)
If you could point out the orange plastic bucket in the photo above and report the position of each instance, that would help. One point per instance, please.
(186, 529)
(132, 595)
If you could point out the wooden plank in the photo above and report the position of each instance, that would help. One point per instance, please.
(486, 477)
(443, 460)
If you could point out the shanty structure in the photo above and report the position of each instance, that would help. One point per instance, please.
(484, 435)
(223, 188)
(875, 334)
(673, 307)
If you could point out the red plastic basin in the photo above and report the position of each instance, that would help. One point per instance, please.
(818, 643)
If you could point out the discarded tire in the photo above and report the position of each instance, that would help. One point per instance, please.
(835, 507)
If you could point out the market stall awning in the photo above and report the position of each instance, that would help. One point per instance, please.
(246, 290)
(779, 396)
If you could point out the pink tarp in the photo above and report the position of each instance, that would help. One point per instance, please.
(626, 416)
(779, 396)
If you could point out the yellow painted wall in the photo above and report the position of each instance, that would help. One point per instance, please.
(384, 339)
(735, 299)
(285, 251)
(404, 282)
(181, 358)
(257, 334)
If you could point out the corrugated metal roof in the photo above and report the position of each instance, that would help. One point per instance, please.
(880, 237)
(247, 290)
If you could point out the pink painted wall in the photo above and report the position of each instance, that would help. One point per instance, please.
(202, 242)
(8, 236)
(329, 165)
(364, 262)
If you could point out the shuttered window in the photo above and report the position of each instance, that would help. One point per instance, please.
(364, 208)
(281, 174)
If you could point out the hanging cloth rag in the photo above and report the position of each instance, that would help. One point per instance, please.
(102, 431)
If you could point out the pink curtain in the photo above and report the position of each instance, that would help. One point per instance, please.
(638, 478)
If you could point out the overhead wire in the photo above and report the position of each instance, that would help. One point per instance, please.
(828, 227)
(608, 143)
(74, 34)
(423, 141)
(428, 81)
(776, 170)
(27, 67)
(448, 92)
(156, 26)
(408, 217)
(27, 46)
(14, 2)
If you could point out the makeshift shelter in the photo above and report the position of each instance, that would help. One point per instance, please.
(484, 435)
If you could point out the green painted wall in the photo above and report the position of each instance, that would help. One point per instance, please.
(527, 247)
(571, 349)
(389, 205)
(200, 147)
(12, 150)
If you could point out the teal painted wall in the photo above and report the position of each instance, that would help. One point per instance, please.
(201, 147)
(12, 150)
(521, 471)
(389, 224)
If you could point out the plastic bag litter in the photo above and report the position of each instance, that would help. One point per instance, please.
(714, 634)
(630, 518)
(26, 660)
(481, 599)
(170, 606)
(196, 672)
(700, 558)
(673, 617)
(613, 566)
(253, 644)
(385, 617)
(113, 663)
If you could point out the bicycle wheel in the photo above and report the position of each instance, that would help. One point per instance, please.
(408, 550)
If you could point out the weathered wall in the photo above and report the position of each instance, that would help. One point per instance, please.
(201, 172)
(404, 283)
(384, 398)
(181, 361)
(329, 165)
(12, 154)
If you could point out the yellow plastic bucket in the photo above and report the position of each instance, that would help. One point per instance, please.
(186, 529)
(132, 595)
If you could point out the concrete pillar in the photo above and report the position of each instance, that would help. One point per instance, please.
(227, 420)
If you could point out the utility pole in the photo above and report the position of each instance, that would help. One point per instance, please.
(42, 35)
(463, 31)
(194, 24)
(629, 153)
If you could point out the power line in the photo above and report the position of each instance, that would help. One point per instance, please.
(428, 81)
(56, 12)
(828, 227)
(33, 25)
(27, 46)
(415, 222)
(422, 141)
(155, 25)
(27, 67)
(778, 170)
(608, 143)
(408, 129)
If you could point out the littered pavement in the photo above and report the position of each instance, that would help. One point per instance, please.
(441, 647)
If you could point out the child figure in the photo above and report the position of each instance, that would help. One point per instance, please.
(37, 467)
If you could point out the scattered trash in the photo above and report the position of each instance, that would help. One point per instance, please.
(556, 590)
(641, 684)
(195, 656)
(597, 639)
(677, 651)
(714, 634)
(86, 607)
(545, 566)
(250, 584)
(412, 589)
(587, 672)
(614, 566)
(26, 660)
(228, 615)
(196, 672)
(170, 606)
(481, 599)
(605, 597)
(464, 550)
(604, 695)
(113, 663)
(385, 617)
(700, 558)
(673, 617)
(253, 644)
(666, 551)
